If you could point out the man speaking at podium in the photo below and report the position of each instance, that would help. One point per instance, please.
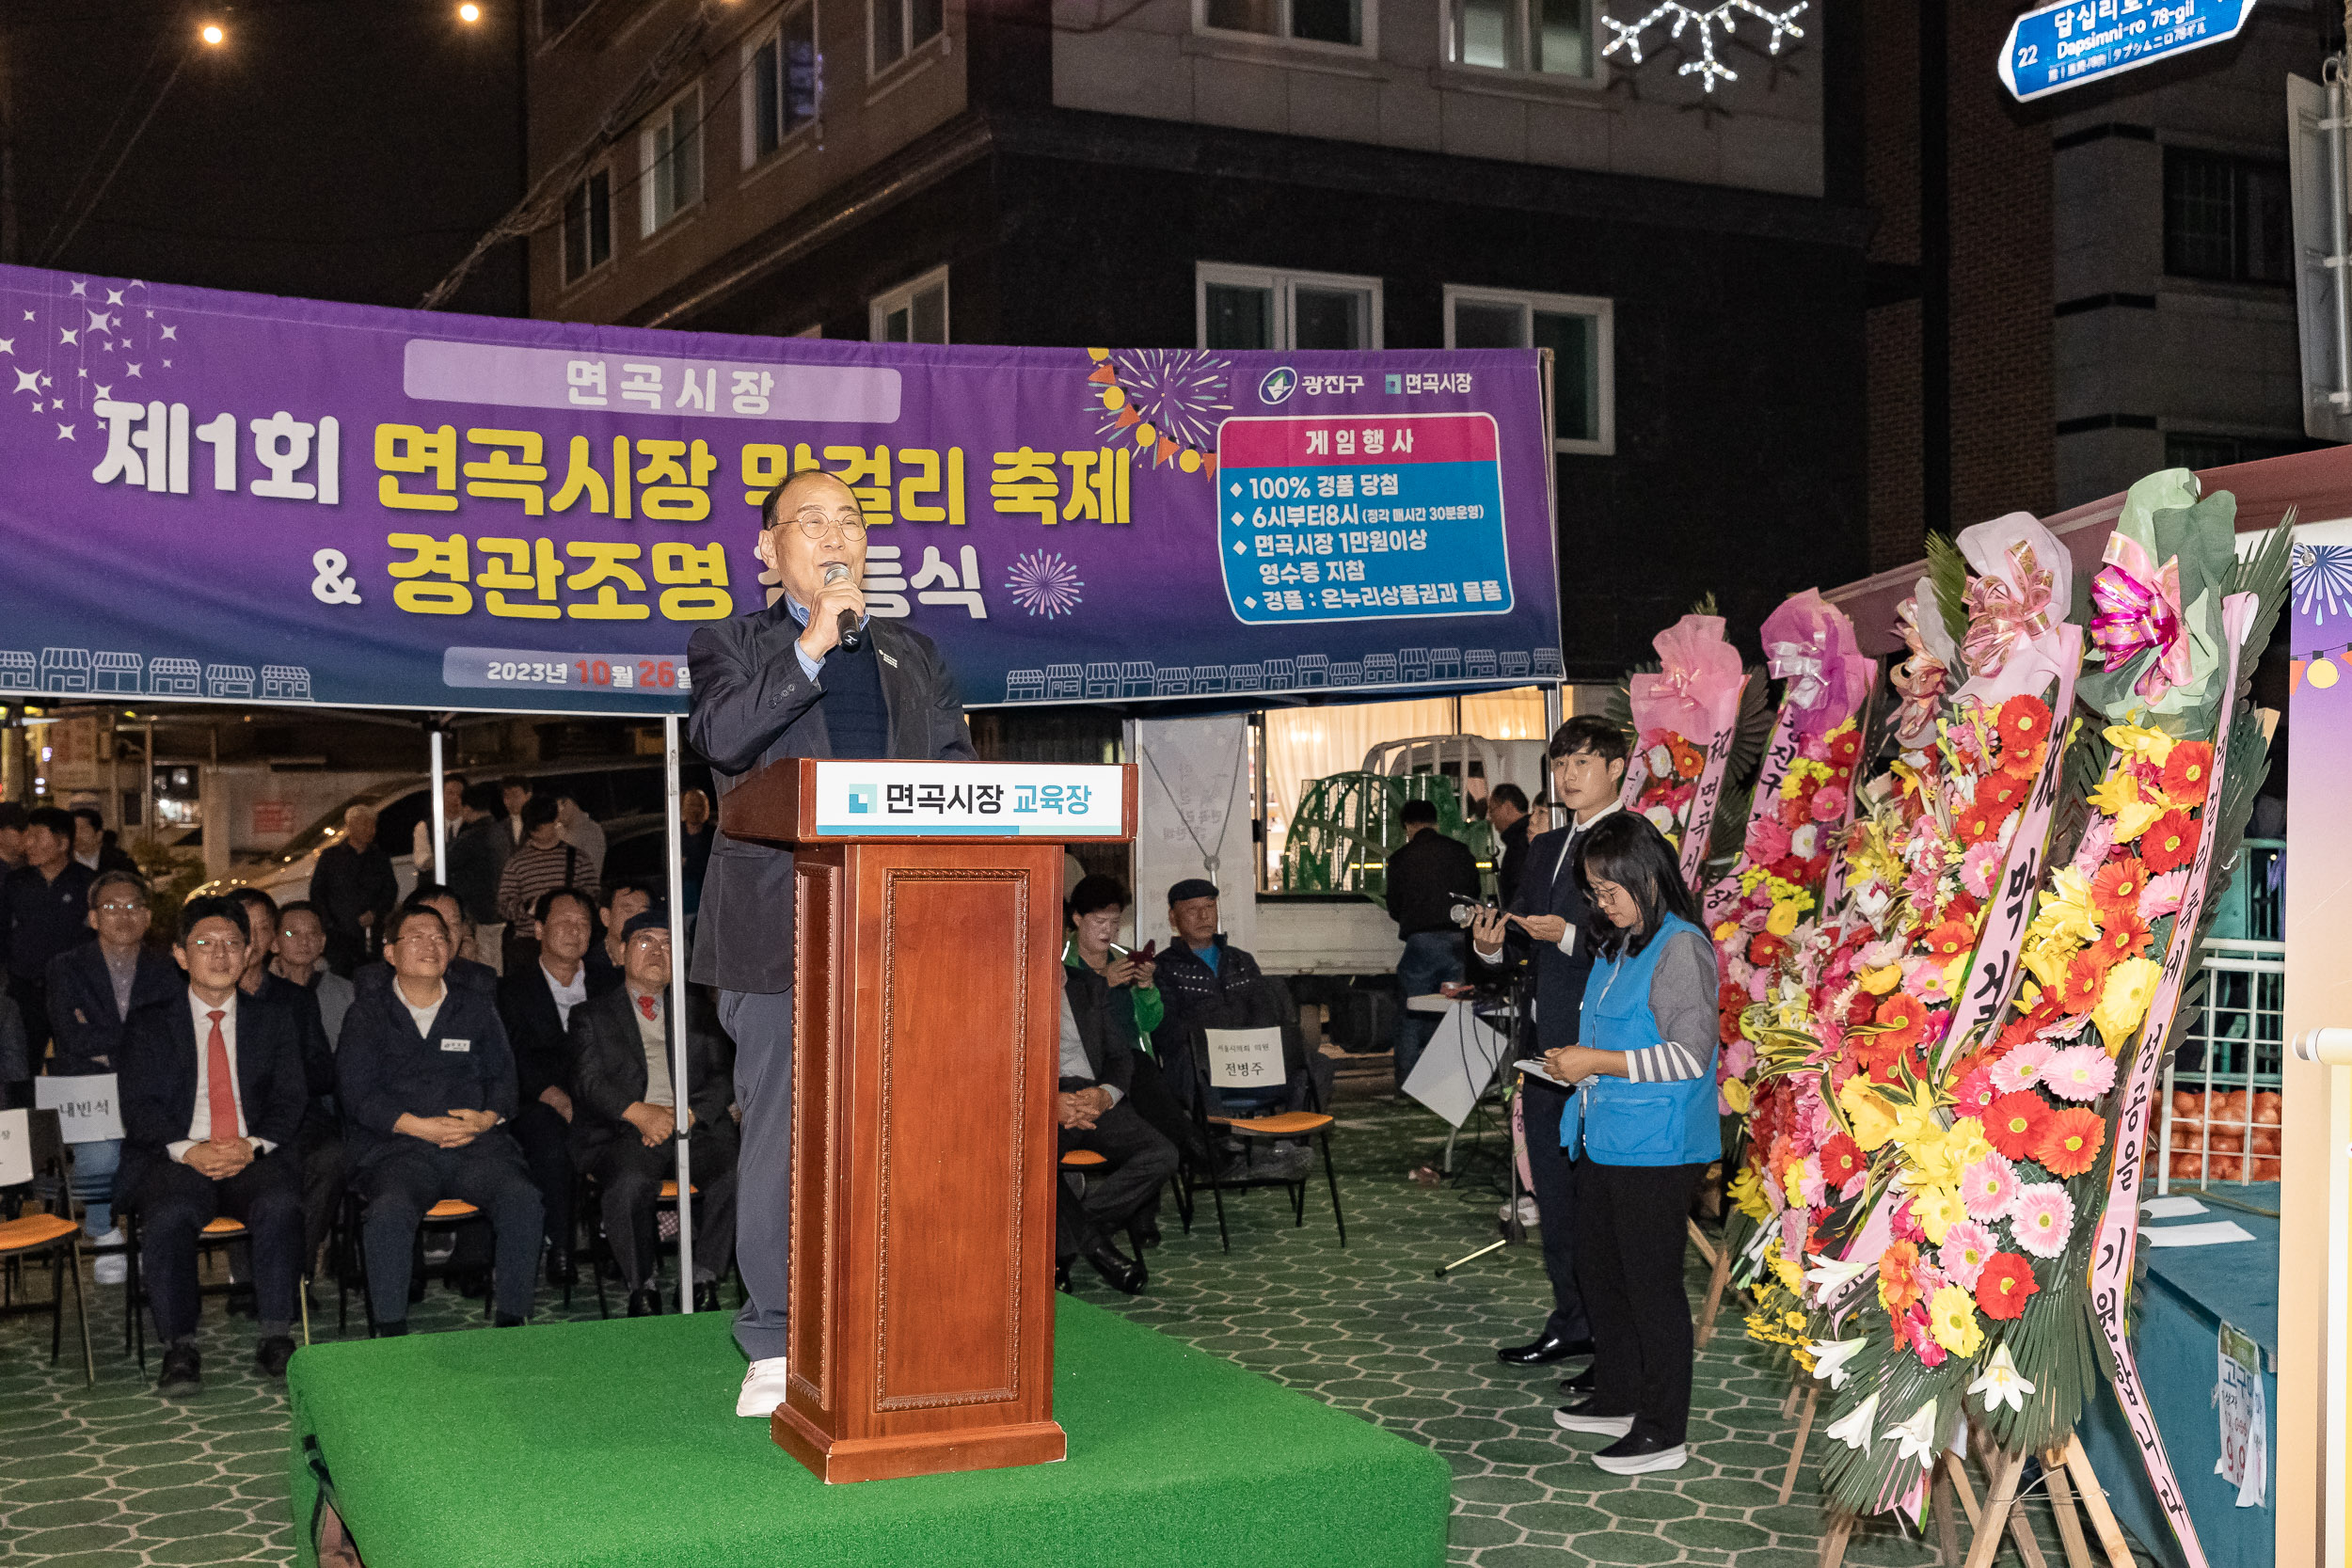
(809, 677)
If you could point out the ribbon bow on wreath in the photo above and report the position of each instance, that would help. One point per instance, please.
(1696, 693)
(2003, 612)
(1923, 678)
(2139, 610)
(1810, 643)
(2020, 584)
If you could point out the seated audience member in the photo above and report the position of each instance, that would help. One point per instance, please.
(541, 862)
(624, 1119)
(1094, 1113)
(427, 1079)
(464, 973)
(1135, 1010)
(619, 904)
(536, 1004)
(93, 989)
(1208, 985)
(300, 958)
(321, 1144)
(212, 1092)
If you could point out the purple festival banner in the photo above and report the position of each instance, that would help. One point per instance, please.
(238, 497)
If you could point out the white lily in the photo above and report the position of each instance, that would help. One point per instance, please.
(2002, 1384)
(1830, 1357)
(1854, 1429)
(1831, 1273)
(1915, 1438)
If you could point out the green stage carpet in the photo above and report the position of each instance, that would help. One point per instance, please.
(584, 1444)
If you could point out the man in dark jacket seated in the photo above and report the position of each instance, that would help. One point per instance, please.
(321, 1144)
(624, 1119)
(1094, 1113)
(212, 1090)
(536, 1002)
(426, 1080)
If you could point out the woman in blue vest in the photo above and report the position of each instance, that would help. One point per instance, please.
(1642, 1130)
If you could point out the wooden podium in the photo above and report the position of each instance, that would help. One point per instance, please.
(927, 982)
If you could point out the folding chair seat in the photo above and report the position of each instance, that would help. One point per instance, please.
(1243, 1060)
(57, 1237)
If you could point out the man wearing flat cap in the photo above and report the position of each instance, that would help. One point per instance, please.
(1209, 984)
(626, 1109)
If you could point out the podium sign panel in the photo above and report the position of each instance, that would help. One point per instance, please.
(928, 984)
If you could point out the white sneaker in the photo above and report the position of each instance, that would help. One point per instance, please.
(763, 1388)
(1574, 1418)
(113, 1238)
(1640, 1464)
(111, 1268)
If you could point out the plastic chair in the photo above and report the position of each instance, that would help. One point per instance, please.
(1223, 1060)
(58, 1236)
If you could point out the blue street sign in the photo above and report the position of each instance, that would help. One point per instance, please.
(2089, 40)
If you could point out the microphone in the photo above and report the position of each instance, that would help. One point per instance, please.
(850, 637)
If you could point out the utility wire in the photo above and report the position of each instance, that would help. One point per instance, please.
(163, 42)
(107, 183)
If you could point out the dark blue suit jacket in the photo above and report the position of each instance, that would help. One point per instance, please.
(387, 1070)
(82, 1005)
(156, 1078)
(754, 704)
(1547, 887)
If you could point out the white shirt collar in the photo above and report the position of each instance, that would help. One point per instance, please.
(425, 1016)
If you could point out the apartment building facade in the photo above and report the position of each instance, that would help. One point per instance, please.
(1276, 174)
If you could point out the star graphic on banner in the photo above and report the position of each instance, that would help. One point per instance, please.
(171, 334)
(105, 390)
(101, 320)
(65, 335)
(65, 432)
(7, 345)
(81, 291)
(29, 381)
(57, 405)
(81, 374)
(166, 364)
(114, 296)
(150, 315)
(131, 369)
(28, 315)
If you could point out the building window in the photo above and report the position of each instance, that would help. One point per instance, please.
(588, 226)
(2226, 219)
(1578, 329)
(671, 153)
(1251, 307)
(780, 84)
(913, 312)
(1550, 38)
(901, 27)
(1336, 21)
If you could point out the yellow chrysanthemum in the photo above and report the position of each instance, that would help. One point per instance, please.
(2155, 745)
(1867, 1115)
(2131, 985)
(1737, 1095)
(1952, 1319)
(1878, 982)
(1747, 1195)
(1783, 919)
(1937, 1209)
(1790, 1274)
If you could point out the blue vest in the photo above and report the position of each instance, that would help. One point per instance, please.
(1618, 1122)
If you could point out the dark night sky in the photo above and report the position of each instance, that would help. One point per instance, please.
(342, 150)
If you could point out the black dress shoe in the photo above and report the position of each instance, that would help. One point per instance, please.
(183, 1373)
(272, 1355)
(644, 1302)
(1582, 1383)
(707, 1296)
(1545, 1350)
(1119, 1270)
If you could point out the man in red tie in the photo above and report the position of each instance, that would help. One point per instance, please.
(211, 1096)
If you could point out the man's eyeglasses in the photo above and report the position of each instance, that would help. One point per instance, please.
(815, 524)
(218, 944)
(421, 939)
(121, 908)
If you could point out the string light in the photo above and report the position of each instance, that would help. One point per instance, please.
(1705, 18)
(2322, 672)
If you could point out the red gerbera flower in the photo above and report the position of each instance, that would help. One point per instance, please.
(1976, 824)
(1898, 1277)
(2000, 794)
(1951, 939)
(2023, 762)
(1963, 907)
(2085, 972)
(1905, 1019)
(2071, 1141)
(2003, 1285)
(1844, 749)
(2014, 1123)
(2125, 935)
(2188, 772)
(1764, 949)
(2024, 723)
(2169, 841)
(1841, 1161)
(2116, 887)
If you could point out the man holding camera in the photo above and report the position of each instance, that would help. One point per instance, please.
(1588, 758)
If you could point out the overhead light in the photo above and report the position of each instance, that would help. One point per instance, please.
(211, 33)
(470, 12)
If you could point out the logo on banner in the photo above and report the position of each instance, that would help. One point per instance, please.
(861, 799)
(1279, 382)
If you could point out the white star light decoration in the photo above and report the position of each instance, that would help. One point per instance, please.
(113, 331)
(1706, 19)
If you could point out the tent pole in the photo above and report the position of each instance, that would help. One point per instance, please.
(674, 859)
(440, 815)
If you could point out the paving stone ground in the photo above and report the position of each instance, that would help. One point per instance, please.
(113, 1477)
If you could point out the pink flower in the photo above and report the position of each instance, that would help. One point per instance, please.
(1737, 1058)
(1987, 1188)
(1924, 980)
(2162, 896)
(1792, 1229)
(2042, 1218)
(2024, 1068)
(1980, 868)
(1828, 805)
(2098, 839)
(1760, 981)
(2080, 1072)
(1810, 1186)
(1905, 1227)
(1968, 1247)
(1768, 840)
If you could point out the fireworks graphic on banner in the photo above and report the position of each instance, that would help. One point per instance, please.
(1706, 19)
(2323, 581)
(1045, 584)
(1168, 402)
(75, 350)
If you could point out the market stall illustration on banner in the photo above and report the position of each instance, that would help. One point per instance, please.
(434, 510)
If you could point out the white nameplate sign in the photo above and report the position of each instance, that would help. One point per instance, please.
(84, 1106)
(16, 1147)
(888, 799)
(1245, 1058)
